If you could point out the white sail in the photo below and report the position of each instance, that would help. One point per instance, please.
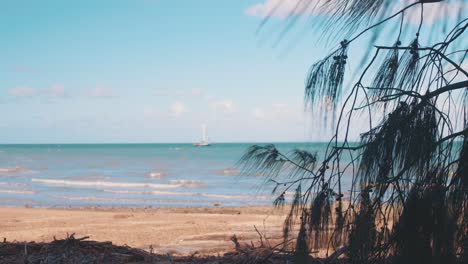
(204, 133)
(204, 141)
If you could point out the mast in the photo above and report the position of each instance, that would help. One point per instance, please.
(204, 133)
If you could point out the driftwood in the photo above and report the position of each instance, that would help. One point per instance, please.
(84, 251)
(71, 250)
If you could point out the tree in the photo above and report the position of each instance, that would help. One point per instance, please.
(408, 199)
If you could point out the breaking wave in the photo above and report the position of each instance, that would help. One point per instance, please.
(150, 192)
(188, 183)
(193, 194)
(18, 192)
(108, 184)
(11, 170)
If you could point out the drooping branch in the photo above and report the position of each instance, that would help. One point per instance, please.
(409, 162)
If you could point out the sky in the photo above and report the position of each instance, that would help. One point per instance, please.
(114, 71)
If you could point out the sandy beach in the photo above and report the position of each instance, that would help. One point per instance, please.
(178, 231)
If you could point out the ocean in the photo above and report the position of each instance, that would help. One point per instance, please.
(132, 175)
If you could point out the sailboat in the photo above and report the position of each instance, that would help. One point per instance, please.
(204, 141)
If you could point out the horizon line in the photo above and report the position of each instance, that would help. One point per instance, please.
(142, 143)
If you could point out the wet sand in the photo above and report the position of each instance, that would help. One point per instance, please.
(180, 231)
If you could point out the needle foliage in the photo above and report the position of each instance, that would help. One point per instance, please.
(408, 197)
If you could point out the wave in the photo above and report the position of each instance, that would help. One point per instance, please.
(106, 184)
(94, 198)
(151, 192)
(16, 170)
(188, 183)
(119, 200)
(12, 184)
(11, 170)
(156, 175)
(193, 194)
(228, 171)
(236, 197)
(18, 191)
(89, 178)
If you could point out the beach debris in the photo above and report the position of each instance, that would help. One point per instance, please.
(71, 250)
(84, 251)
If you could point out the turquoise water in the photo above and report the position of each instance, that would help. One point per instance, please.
(131, 175)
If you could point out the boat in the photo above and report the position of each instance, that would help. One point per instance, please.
(204, 141)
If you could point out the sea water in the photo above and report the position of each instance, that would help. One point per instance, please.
(133, 175)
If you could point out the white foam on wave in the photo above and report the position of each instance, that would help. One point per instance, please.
(106, 184)
(18, 192)
(236, 197)
(94, 198)
(227, 171)
(188, 183)
(11, 170)
(193, 194)
(169, 193)
(118, 200)
(89, 178)
(156, 175)
(12, 184)
(16, 170)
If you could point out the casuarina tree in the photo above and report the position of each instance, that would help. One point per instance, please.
(406, 197)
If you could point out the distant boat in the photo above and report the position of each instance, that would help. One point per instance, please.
(204, 141)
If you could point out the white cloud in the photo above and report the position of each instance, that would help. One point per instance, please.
(177, 108)
(226, 106)
(57, 90)
(196, 93)
(22, 92)
(258, 113)
(283, 8)
(101, 92)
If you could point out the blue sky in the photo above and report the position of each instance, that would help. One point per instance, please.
(151, 71)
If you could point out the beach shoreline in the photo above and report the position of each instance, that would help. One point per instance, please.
(166, 230)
